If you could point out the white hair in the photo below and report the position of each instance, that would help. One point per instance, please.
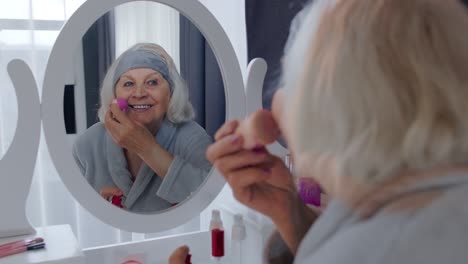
(180, 109)
(380, 85)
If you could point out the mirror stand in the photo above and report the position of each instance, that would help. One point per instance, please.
(256, 72)
(17, 166)
(17, 169)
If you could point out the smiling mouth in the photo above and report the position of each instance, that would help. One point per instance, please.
(140, 106)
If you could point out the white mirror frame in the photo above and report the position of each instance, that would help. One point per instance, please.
(53, 118)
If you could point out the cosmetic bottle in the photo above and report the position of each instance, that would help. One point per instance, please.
(188, 259)
(238, 234)
(217, 238)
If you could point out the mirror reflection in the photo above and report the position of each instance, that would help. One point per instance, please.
(145, 150)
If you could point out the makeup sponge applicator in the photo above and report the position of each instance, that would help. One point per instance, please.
(122, 104)
(258, 129)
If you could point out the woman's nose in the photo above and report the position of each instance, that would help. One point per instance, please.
(139, 91)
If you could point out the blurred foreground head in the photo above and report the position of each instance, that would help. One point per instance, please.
(375, 87)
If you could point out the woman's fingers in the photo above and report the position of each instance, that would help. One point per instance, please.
(108, 192)
(243, 159)
(227, 129)
(246, 177)
(179, 255)
(125, 132)
(112, 126)
(227, 145)
(119, 115)
(109, 121)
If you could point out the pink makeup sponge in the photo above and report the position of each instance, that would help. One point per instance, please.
(258, 129)
(117, 200)
(122, 104)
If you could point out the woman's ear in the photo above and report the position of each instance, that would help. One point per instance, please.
(321, 168)
(277, 105)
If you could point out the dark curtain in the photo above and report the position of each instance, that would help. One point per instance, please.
(98, 55)
(268, 24)
(200, 70)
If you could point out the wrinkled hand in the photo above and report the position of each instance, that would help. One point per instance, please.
(108, 192)
(126, 133)
(113, 195)
(179, 255)
(258, 179)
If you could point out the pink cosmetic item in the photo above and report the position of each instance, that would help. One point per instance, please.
(21, 243)
(217, 237)
(217, 243)
(132, 262)
(258, 129)
(309, 191)
(20, 249)
(122, 104)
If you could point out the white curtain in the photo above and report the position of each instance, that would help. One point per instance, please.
(147, 22)
(24, 35)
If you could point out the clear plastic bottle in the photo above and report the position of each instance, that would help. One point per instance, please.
(238, 235)
(216, 222)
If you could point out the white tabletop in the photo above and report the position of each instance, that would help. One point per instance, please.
(61, 247)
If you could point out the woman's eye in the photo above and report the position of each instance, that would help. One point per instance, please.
(152, 82)
(128, 84)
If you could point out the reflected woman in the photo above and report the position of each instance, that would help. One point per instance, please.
(151, 155)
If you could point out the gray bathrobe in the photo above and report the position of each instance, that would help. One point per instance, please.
(434, 234)
(103, 164)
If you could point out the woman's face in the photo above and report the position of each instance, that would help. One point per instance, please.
(147, 94)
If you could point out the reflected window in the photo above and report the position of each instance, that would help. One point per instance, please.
(28, 30)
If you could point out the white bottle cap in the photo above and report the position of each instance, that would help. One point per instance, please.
(238, 228)
(216, 222)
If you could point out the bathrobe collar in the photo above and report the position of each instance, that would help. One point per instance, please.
(119, 168)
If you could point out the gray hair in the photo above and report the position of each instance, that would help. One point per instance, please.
(180, 109)
(379, 86)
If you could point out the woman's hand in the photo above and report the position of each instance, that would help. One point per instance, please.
(113, 195)
(137, 139)
(258, 179)
(262, 182)
(128, 134)
(179, 255)
(108, 192)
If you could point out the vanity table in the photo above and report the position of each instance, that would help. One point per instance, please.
(242, 98)
(61, 247)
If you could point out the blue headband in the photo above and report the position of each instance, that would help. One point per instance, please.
(134, 59)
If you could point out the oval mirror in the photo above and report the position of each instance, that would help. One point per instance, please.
(147, 202)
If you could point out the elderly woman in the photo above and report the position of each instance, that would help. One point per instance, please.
(152, 154)
(376, 103)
